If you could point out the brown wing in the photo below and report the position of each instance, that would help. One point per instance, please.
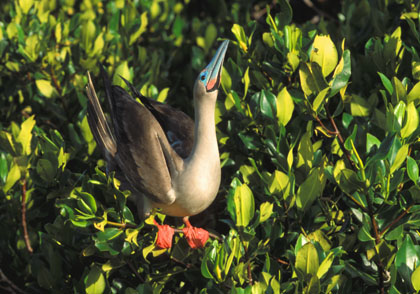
(178, 127)
(141, 148)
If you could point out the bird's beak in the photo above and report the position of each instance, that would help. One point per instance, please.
(214, 68)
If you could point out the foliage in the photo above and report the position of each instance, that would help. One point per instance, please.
(317, 127)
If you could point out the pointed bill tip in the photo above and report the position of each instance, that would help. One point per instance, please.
(215, 67)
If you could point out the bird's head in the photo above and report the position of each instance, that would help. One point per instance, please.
(208, 80)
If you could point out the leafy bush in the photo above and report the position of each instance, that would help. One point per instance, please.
(317, 127)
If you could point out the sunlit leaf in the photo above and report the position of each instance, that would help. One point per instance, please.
(324, 54)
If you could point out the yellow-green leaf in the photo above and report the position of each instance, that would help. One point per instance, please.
(163, 95)
(95, 281)
(318, 102)
(25, 5)
(325, 54)
(412, 121)
(266, 209)
(25, 135)
(239, 33)
(124, 71)
(285, 106)
(415, 279)
(280, 184)
(311, 78)
(307, 260)
(414, 94)
(399, 158)
(143, 26)
(359, 106)
(325, 265)
(244, 205)
(246, 81)
(46, 88)
(12, 177)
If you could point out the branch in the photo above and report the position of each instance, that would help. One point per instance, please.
(12, 287)
(340, 139)
(25, 228)
(390, 225)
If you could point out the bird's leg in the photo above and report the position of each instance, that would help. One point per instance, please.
(164, 235)
(196, 237)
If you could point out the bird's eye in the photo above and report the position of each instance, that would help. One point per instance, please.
(203, 76)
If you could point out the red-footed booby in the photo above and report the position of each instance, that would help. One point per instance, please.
(160, 154)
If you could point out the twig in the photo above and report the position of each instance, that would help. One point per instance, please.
(121, 225)
(134, 271)
(396, 220)
(13, 288)
(282, 261)
(340, 139)
(25, 228)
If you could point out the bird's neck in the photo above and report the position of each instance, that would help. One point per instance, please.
(205, 142)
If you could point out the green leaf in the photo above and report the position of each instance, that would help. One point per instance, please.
(307, 261)
(88, 201)
(347, 179)
(87, 35)
(342, 74)
(46, 88)
(310, 189)
(395, 234)
(95, 281)
(400, 94)
(324, 54)
(412, 169)
(406, 258)
(266, 209)
(412, 121)
(305, 152)
(285, 106)
(311, 78)
(364, 234)
(371, 141)
(386, 82)
(244, 205)
(399, 158)
(45, 170)
(359, 106)
(384, 150)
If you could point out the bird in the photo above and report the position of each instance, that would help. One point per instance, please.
(167, 160)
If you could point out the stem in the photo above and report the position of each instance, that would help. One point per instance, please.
(120, 225)
(340, 139)
(12, 287)
(25, 228)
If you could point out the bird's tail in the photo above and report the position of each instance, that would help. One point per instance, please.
(97, 122)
